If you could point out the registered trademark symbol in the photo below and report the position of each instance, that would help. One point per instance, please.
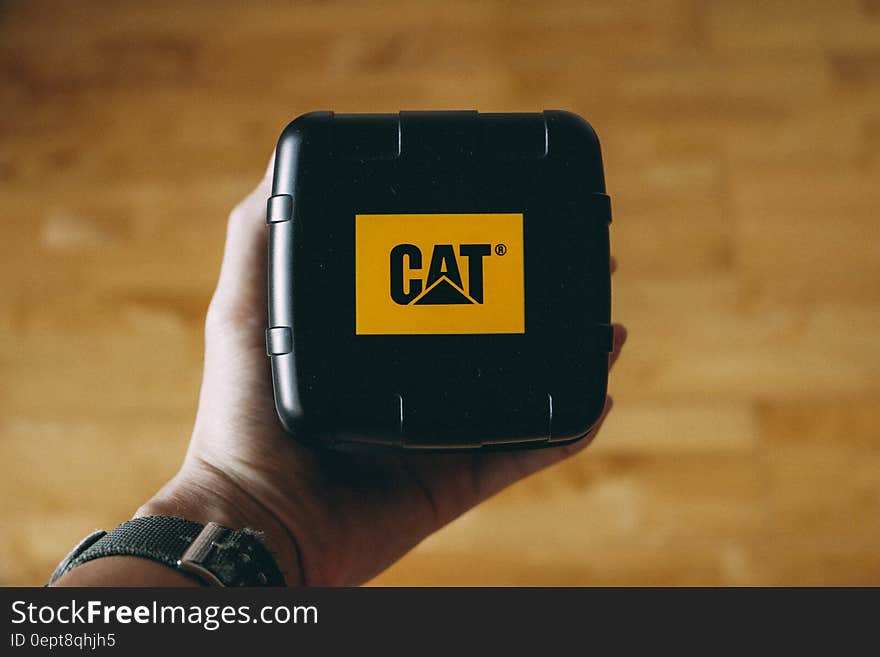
(500, 249)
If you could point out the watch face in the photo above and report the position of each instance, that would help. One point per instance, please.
(442, 281)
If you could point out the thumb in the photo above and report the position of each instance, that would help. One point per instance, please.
(239, 301)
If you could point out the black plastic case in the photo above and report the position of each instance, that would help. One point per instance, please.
(537, 377)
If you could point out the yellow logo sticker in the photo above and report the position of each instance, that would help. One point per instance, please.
(439, 274)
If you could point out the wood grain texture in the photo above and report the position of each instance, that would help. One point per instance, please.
(742, 146)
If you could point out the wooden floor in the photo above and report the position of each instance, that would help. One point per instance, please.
(742, 146)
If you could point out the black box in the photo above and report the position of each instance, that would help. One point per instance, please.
(439, 280)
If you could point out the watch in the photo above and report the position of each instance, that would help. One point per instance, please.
(212, 554)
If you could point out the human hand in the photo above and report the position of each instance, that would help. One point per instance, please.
(330, 518)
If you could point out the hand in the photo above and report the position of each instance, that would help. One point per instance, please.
(330, 518)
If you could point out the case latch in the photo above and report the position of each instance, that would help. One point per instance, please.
(279, 208)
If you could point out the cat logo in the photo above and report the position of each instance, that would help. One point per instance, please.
(443, 285)
(439, 274)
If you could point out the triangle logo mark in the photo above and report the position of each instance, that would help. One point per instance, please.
(443, 293)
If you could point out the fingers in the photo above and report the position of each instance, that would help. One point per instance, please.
(542, 458)
(495, 471)
(620, 335)
(574, 448)
(241, 289)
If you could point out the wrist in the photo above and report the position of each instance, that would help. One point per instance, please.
(204, 494)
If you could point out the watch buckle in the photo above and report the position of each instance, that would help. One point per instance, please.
(193, 560)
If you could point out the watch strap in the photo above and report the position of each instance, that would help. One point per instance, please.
(213, 554)
(77, 550)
